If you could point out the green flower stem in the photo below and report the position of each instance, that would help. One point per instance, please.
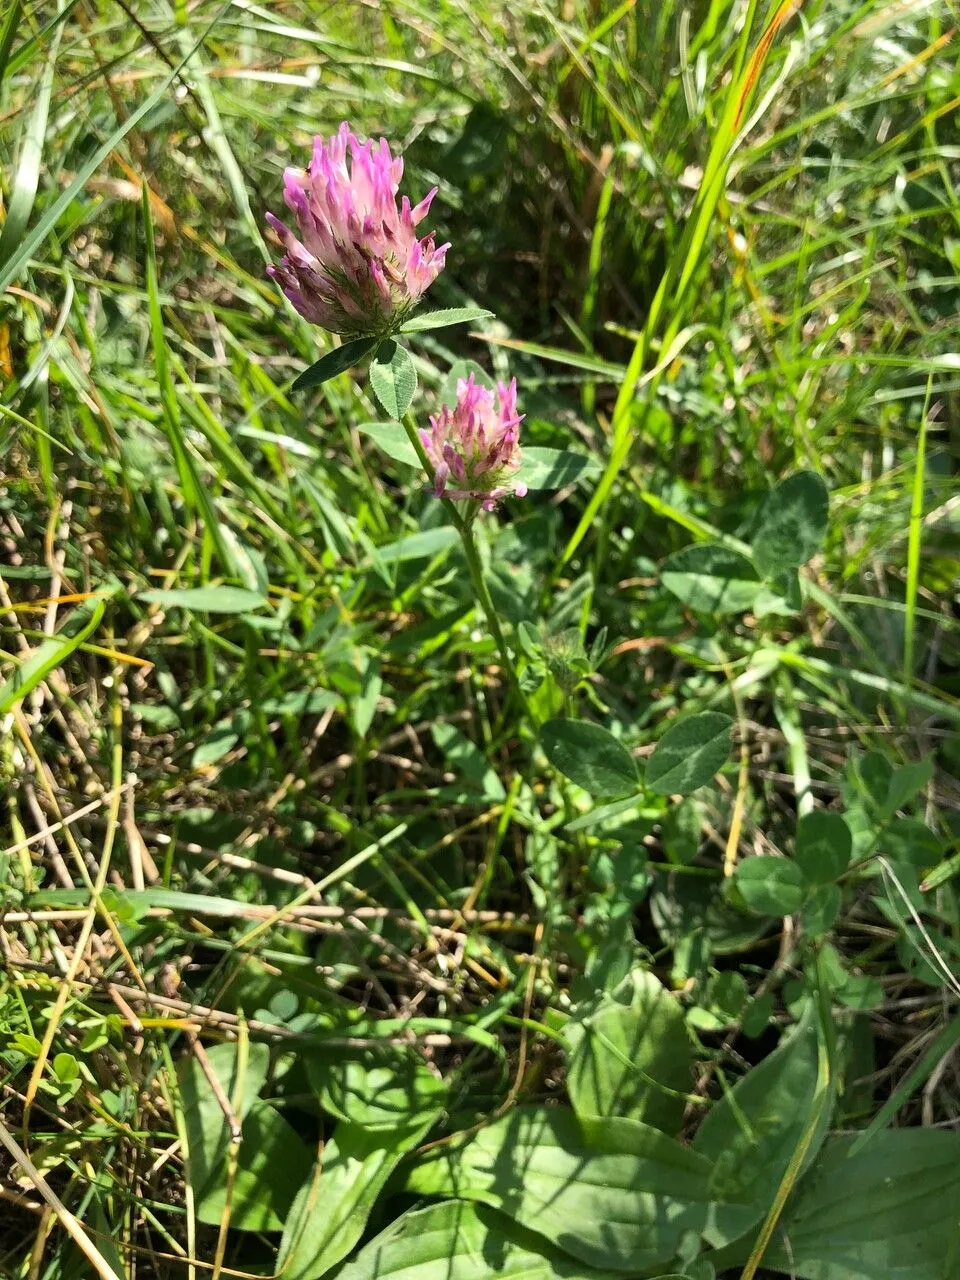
(464, 526)
(483, 591)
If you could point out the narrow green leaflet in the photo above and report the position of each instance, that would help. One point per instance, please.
(363, 706)
(752, 1133)
(206, 599)
(466, 758)
(792, 524)
(457, 1240)
(417, 546)
(393, 378)
(543, 468)
(339, 360)
(690, 753)
(218, 743)
(712, 578)
(632, 1059)
(49, 654)
(614, 1193)
(589, 756)
(440, 319)
(603, 812)
(332, 1207)
(891, 1212)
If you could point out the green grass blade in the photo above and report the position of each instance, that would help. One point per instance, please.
(944, 1043)
(195, 491)
(913, 544)
(7, 32)
(49, 655)
(28, 170)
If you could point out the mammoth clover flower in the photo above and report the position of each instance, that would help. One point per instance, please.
(474, 447)
(357, 267)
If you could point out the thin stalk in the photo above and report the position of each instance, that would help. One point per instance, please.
(480, 586)
(464, 528)
(913, 545)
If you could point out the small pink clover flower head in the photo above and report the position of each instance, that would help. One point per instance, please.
(357, 266)
(475, 446)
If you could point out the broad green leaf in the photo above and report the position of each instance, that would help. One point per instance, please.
(912, 842)
(393, 440)
(49, 654)
(792, 525)
(375, 1089)
(205, 599)
(824, 846)
(710, 577)
(680, 831)
(336, 361)
(771, 886)
(333, 1204)
(614, 1193)
(457, 1240)
(242, 1077)
(874, 772)
(604, 812)
(752, 1132)
(686, 909)
(631, 1060)
(417, 546)
(543, 468)
(589, 756)
(393, 378)
(65, 1067)
(271, 1165)
(446, 316)
(890, 1212)
(690, 753)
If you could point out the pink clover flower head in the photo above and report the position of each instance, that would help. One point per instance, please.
(355, 265)
(474, 447)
